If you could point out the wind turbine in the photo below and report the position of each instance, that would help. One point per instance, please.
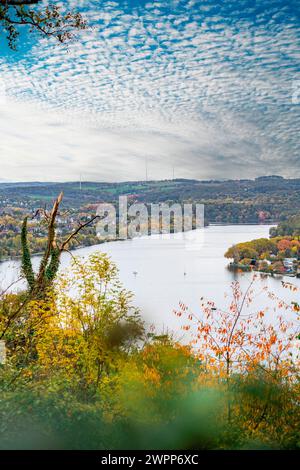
(146, 168)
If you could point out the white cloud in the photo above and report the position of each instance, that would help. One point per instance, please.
(212, 98)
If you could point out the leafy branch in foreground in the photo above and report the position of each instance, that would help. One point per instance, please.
(243, 339)
(50, 21)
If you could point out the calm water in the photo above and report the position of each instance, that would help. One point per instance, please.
(182, 267)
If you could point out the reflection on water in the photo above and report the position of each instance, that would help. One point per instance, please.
(163, 271)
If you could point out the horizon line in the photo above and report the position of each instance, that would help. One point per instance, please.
(9, 182)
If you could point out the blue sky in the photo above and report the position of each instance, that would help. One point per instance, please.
(207, 87)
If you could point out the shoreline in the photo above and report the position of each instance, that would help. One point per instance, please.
(18, 257)
(173, 272)
(248, 269)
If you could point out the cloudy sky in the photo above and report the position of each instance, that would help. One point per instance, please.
(209, 88)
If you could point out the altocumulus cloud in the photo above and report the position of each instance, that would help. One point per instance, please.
(202, 86)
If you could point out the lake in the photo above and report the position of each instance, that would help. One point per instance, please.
(163, 270)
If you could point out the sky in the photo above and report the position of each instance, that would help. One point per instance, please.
(191, 89)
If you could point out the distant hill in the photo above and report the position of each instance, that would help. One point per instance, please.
(265, 199)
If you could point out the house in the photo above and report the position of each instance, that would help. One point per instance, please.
(288, 263)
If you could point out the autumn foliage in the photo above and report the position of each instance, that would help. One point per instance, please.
(82, 368)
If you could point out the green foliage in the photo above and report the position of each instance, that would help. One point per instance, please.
(52, 269)
(290, 227)
(27, 268)
(266, 415)
(81, 373)
(37, 420)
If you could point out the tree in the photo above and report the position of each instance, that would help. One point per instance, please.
(39, 283)
(284, 245)
(239, 340)
(50, 21)
(86, 332)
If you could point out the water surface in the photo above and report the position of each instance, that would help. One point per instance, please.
(161, 271)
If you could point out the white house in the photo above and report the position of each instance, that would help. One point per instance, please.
(288, 263)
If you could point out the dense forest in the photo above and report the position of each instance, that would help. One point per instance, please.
(290, 227)
(272, 198)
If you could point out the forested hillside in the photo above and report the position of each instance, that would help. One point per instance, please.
(290, 227)
(263, 200)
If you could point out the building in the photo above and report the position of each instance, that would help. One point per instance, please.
(288, 263)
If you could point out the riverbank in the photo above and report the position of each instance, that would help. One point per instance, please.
(278, 255)
(163, 271)
(236, 267)
(79, 247)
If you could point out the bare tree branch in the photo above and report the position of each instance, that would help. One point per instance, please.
(72, 235)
